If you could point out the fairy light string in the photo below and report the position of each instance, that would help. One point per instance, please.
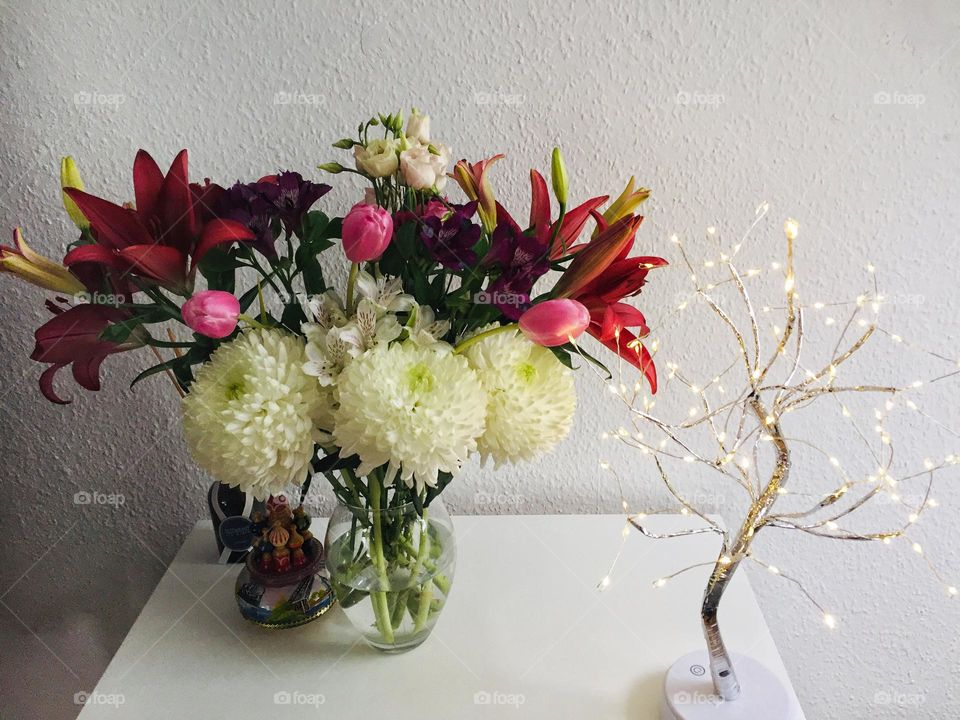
(745, 418)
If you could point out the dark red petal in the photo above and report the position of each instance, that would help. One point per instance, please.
(572, 225)
(539, 201)
(87, 371)
(629, 316)
(629, 246)
(147, 178)
(634, 352)
(218, 232)
(596, 257)
(95, 254)
(46, 385)
(162, 263)
(175, 206)
(73, 333)
(115, 226)
(504, 217)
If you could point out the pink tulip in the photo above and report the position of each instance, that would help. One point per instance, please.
(554, 322)
(212, 313)
(367, 231)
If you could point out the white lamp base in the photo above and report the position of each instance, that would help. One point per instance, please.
(689, 693)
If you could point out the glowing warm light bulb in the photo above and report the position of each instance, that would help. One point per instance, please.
(775, 570)
(829, 620)
(951, 590)
(605, 583)
(917, 549)
(660, 583)
(790, 228)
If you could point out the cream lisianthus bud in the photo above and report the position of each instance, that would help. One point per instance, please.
(378, 158)
(418, 127)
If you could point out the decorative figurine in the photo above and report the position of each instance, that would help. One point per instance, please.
(284, 582)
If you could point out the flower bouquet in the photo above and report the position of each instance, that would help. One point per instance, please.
(435, 349)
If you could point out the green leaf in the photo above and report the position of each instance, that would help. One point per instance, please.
(168, 365)
(563, 355)
(293, 317)
(443, 479)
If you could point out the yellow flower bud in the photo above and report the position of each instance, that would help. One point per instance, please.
(70, 178)
(558, 173)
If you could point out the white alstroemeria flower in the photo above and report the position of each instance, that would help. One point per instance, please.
(385, 292)
(424, 329)
(320, 365)
(325, 310)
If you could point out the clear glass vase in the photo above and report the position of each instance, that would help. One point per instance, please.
(391, 570)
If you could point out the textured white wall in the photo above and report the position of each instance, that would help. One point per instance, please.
(781, 105)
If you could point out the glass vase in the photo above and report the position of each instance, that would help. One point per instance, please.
(391, 570)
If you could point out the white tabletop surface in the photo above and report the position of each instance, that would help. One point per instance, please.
(525, 634)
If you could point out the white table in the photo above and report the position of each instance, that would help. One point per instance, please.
(526, 634)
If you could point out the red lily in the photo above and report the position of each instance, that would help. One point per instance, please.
(73, 337)
(568, 229)
(168, 233)
(600, 276)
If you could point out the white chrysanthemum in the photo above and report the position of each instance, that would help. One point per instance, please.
(252, 415)
(417, 408)
(531, 396)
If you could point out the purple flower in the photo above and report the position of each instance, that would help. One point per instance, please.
(451, 241)
(285, 197)
(251, 205)
(522, 261)
(295, 197)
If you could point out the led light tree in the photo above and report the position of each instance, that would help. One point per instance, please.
(750, 447)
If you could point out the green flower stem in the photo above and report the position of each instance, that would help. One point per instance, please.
(426, 590)
(352, 283)
(379, 598)
(423, 609)
(252, 322)
(440, 580)
(464, 344)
